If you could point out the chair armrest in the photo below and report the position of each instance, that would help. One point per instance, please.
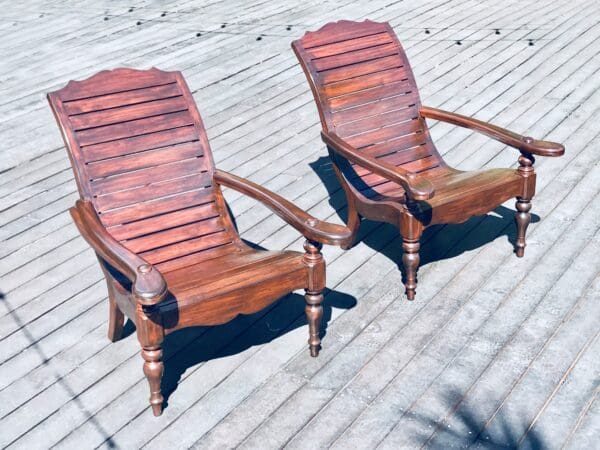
(522, 143)
(148, 285)
(417, 187)
(312, 228)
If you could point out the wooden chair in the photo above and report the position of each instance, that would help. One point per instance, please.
(152, 209)
(374, 127)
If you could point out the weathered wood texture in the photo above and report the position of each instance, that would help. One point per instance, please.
(495, 349)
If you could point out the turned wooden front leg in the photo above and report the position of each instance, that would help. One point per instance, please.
(523, 205)
(314, 294)
(154, 369)
(411, 230)
(523, 218)
(150, 334)
(410, 260)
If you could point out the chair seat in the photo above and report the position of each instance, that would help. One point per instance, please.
(231, 272)
(458, 194)
(215, 291)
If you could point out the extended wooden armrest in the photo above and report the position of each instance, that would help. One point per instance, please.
(524, 144)
(311, 227)
(148, 285)
(416, 187)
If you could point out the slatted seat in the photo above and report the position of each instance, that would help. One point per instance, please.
(452, 189)
(236, 276)
(374, 126)
(152, 209)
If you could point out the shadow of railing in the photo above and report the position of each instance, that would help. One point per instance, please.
(473, 237)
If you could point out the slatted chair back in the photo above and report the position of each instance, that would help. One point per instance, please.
(140, 154)
(366, 92)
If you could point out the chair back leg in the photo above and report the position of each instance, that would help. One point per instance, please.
(116, 318)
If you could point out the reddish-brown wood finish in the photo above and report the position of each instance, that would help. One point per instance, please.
(375, 130)
(152, 209)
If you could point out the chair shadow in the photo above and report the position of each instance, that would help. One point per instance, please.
(209, 343)
(473, 236)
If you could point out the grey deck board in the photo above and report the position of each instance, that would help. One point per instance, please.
(494, 349)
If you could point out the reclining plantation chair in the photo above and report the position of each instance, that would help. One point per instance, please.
(375, 130)
(151, 207)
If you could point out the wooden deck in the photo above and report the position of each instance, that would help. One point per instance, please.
(494, 351)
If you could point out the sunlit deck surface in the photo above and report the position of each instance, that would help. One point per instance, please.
(494, 351)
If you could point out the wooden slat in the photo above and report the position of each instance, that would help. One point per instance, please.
(155, 207)
(179, 234)
(152, 191)
(190, 246)
(364, 82)
(354, 57)
(147, 176)
(383, 134)
(412, 150)
(104, 83)
(121, 99)
(162, 155)
(376, 107)
(375, 122)
(348, 46)
(204, 254)
(398, 145)
(338, 33)
(164, 221)
(134, 128)
(368, 96)
(356, 70)
(128, 113)
(417, 165)
(122, 147)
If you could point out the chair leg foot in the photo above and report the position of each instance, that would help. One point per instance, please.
(153, 369)
(116, 319)
(314, 314)
(523, 218)
(410, 260)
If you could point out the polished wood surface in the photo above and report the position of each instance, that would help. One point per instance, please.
(374, 127)
(152, 209)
